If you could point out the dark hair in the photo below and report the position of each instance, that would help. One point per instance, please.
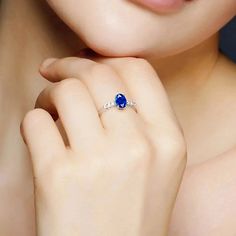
(228, 39)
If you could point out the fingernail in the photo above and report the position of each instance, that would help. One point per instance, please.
(22, 133)
(47, 63)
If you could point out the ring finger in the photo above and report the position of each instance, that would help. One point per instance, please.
(103, 84)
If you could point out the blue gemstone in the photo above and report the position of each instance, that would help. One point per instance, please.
(120, 101)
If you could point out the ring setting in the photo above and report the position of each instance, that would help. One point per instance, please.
(120, 101)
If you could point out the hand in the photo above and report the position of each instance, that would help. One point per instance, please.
(121, 172)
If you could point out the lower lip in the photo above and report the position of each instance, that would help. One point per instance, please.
(163, 5)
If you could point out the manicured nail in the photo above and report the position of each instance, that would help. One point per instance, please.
(47, 63)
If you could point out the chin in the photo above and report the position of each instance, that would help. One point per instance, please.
(119, 28)
(116, 46)
(120, 41)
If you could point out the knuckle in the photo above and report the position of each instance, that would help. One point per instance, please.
(172, 147)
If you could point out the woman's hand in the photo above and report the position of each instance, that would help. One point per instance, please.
(122, 170)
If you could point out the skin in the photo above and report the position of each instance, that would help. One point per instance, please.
(105, 177)
(127, 18)
(206, 74)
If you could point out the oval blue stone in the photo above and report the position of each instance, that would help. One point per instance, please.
(120, 100)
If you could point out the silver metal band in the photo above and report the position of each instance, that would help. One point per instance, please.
(110, 105)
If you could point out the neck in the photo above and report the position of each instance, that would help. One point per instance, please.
(187, 75)
(190, 69)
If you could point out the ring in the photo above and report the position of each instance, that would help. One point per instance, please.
(119, 102)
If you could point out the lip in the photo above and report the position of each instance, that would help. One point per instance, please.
(163, 5)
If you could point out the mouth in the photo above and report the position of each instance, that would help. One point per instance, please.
(162, 6)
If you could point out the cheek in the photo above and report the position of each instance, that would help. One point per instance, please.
(121, 28)
(200, 20)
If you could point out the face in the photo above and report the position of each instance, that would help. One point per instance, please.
(144, 27)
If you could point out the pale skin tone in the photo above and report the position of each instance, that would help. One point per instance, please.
(207, 88)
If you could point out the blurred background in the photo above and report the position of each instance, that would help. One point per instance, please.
(228, 39)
